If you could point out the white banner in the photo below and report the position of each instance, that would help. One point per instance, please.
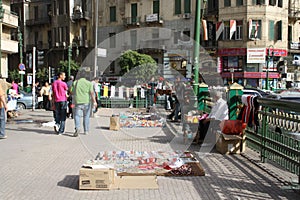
(256, 55)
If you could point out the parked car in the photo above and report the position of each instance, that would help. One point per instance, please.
(255, 92)
(25, 101)
(292, 95)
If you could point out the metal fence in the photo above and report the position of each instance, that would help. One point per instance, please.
(276, 139)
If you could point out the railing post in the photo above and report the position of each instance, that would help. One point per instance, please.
(263, 136)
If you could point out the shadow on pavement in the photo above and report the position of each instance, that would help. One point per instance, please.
(70, 181)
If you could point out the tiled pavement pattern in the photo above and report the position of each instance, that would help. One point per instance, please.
(37, 164)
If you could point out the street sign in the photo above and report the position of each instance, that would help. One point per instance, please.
(21, 72)
(29, 80)
(21, 66)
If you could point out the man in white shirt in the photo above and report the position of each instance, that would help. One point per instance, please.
(219, 112)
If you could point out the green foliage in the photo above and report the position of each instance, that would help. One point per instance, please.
(42, 75)
(13, 75)
(131, 59)
(136, 67)
(74, 66)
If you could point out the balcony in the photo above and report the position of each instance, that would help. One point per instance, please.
(294, 13)
(10, 19)
(132, 21)
(39, 21)
(9, 46)
(153, 18)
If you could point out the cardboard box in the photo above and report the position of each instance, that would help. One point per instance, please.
(230, 144)
(96, 179)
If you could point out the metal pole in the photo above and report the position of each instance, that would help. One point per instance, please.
(96, 38)
(33, 77)
(197, 48)
(268, 60)
(69, 60)
(21, 52)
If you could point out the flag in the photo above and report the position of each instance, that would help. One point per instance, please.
(250, 27)
(219, 29)
(204, 25)
(256, 29)
(232, 28)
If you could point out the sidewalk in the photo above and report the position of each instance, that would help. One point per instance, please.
(38, 164)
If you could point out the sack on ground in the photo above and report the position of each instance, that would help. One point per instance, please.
(114, 123)
(232, 127)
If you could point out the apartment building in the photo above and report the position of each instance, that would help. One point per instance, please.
(55, 27)
(8, 44)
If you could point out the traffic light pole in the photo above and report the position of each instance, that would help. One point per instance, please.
(197, 48)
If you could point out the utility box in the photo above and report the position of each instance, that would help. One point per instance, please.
(234, 99)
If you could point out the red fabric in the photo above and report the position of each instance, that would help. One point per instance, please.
(233, 127)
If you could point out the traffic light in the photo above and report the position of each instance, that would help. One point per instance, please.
(40, 58)
(52, 71)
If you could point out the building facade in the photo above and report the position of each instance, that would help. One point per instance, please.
(8, 43)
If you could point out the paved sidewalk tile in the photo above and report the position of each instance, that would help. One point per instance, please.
(38, 164)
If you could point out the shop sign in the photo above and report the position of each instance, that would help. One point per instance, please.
(276, 52)
(256, 55)
(152, 17)
(232, 51)
(295, 45)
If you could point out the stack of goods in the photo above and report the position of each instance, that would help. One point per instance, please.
(161, 163)
(141, 120)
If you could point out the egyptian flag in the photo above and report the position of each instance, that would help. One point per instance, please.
(204, 26)
(232, 28)
(219, 29)
(256, 29)
(250, 28)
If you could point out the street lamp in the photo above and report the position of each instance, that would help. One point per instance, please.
(70, 55)
(270, 55)
(20, 38)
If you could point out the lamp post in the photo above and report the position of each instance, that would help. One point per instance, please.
(70, 56)
(21, 52)
(268, 59)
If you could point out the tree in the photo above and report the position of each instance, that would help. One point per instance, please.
(13, 74)
(137, 67)
(74, 66)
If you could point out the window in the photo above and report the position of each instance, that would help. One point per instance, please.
(60, 7)
(112, 14)
(256, 29)
(36, 12)
(156, 7)
(133, 39)
(186, 34)
(112, 68)
(134, 13)
(226, 31)
(227, 3)
(258, 2)
(187, 6)
(279, 30)
(271, 30)
(272, 2)
(36, 38)
(239, 2)
(177, 7)
(280, 3)
(238, 35)
(290, 33)
(112, 40)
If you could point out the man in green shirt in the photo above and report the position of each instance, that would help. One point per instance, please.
(83, 94)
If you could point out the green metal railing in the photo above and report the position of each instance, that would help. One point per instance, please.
(273, 139)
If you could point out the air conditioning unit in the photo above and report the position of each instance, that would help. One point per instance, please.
(290, 77)
(186, 15)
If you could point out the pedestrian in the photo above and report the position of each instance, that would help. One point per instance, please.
(70, 98)
(96, 88)
(3, 110)
(59, 97)
(218, 113)
(151, 89)
(45, 93)
(83, 93)
(179, 88)
(15, 86)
